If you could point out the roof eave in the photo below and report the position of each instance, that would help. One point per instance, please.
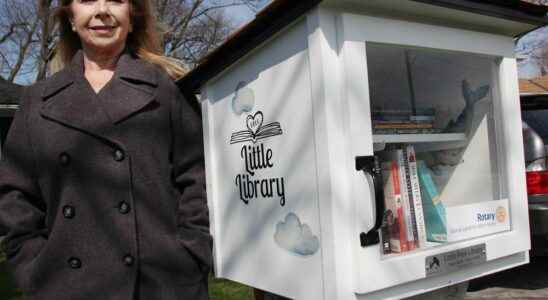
(514, 10)
(281, 13)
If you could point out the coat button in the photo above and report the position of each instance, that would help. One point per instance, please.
(128, 260)
(74, 262)
(69, 211)
(124, 207)
(118, 155)
(64, 158)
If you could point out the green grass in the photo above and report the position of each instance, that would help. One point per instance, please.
(222, 289)
(219, 289)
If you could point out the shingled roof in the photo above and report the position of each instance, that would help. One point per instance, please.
(280, 13)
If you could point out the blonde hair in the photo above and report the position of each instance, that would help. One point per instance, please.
(144, 41)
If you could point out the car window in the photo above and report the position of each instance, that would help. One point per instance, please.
(538, 120)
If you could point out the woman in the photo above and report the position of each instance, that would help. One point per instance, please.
(101, 179)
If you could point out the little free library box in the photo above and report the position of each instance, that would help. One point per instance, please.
(366, 149)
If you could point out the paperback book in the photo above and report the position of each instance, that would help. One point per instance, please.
(394, 208)
(433, 208)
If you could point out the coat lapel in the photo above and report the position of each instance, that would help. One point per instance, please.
(70, 100)
(133, 87)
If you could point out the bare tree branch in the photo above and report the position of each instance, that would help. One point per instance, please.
(534, 49)
(10, 32)
(23, 51)
(46, 49)
(192, 28)
(195, 27)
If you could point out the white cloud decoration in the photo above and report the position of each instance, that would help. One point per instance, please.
(244, 99)
(296, 237)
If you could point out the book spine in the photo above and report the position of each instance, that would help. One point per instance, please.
(399, 214)
(390, 235)
(406, 130)
(411, 199)
(403, 125)
(417, 199)
(386, 228)
(405, 201)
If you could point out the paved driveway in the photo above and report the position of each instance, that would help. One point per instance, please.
(525, 282)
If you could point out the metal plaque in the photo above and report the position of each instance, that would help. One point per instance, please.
(454, 260)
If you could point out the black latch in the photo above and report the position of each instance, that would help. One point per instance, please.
(371, 166)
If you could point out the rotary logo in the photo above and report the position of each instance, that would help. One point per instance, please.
(501, 214)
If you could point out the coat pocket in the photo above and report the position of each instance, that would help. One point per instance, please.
(35, 266)
(24, 262)
(194, 270)
(196, 291)
(193, 252)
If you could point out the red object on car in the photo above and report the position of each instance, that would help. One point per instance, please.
(537, 182)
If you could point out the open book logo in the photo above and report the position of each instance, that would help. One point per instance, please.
(254, 122)
(256, 130)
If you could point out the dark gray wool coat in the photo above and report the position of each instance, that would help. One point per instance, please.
(102, 196)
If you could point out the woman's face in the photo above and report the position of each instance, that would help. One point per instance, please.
(102, 25)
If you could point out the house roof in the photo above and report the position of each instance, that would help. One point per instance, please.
(535, 86)
(280, 13)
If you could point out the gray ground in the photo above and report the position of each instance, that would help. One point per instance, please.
(525, 282)
(528, 282)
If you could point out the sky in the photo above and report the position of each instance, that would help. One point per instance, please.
(528, 68)
(242, 14)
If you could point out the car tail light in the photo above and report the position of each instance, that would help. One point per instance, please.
(537, 182)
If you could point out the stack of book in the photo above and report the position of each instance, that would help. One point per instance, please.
(414, 214)
(404, 122)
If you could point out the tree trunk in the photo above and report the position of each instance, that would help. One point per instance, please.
(45, 49)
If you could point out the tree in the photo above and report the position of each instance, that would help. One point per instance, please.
(46, 37)
(533, 50)
(539, 2)
(18, 26)
(542, 58)
(195, 27)
(533, 47)
(28, 35)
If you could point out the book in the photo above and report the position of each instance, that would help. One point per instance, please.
(422, 118)
(411, 198)
(394, 208)
(407, 125)
(386, 229)
(398, 122)
(406, 199)
(380, 112)
(404, 116)
(417, 199)
(406, 130)
(433, 208)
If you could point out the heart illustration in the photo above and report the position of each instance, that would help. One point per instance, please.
(254, 122)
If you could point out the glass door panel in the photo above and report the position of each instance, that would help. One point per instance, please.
(433, 119)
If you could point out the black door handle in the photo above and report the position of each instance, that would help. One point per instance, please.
(371, 166)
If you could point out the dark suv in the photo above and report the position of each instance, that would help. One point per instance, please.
(534, 113)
